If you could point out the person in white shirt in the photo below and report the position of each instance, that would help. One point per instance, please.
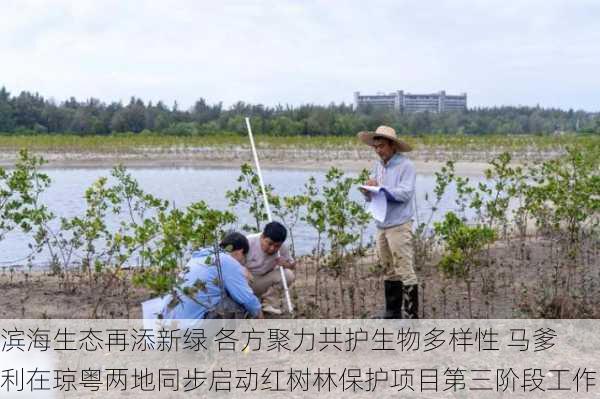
(267, 251)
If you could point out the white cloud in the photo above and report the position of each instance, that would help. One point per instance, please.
(499, 52)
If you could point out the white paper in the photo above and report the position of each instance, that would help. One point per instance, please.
(371, 189)
(151, 308)
(378, 205)
(150, 311)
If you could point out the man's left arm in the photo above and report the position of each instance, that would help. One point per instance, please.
(404, 188)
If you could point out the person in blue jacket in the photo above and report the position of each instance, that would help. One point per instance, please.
(207, 293)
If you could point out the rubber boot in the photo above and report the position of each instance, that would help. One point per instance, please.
(410, 302)
(393, 299)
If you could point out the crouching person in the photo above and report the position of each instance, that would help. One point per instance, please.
(207, 293)
(267, 251)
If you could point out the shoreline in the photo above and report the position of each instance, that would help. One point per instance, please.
(422, 167)
(426, 162)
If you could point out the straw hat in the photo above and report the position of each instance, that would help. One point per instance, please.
(385, 132)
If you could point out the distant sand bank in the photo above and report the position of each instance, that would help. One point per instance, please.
(426, 162)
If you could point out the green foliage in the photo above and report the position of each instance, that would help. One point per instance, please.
(176, 233)
(288, 210)
(19, 195)
(30, 112)
(7, 119)
(332, 212)
(328, 209)
(423, 238)
(463, 244)
(89, 240)
(158, 236)
(491, 198)
(163, 236)
(506, 182)
(562, 195)
(249, 194)
(87, 230)
(565, 196)
(315, 215)
(346, 218)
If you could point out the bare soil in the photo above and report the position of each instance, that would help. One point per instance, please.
(528, 278)
(41, 295)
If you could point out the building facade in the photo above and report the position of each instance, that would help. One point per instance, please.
(407, 102)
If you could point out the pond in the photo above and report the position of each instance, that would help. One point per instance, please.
(183, 186)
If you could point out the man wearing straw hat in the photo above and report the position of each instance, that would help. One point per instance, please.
(395, 174)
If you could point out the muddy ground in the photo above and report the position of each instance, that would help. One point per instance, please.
(524, 279)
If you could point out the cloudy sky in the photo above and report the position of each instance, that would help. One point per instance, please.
(501, 52)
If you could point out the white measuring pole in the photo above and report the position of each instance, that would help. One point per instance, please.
(268, 209)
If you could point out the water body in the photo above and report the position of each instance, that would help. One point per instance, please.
(183, 186)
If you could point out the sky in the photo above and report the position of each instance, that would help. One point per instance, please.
(500, 52)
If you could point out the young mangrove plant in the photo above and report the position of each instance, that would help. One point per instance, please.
(463, 246)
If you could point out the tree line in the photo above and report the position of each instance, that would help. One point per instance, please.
(30, 113)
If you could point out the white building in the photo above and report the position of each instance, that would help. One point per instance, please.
(407, 102)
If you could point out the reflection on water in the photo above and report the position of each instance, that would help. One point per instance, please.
(182, 186)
